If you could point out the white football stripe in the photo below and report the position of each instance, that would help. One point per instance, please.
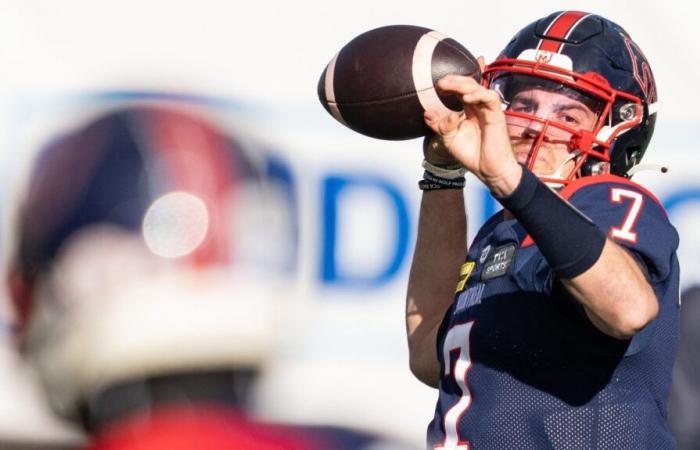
(330, 93)
(423, 73)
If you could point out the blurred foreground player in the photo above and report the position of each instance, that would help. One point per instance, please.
(563, 328)
(146, 281)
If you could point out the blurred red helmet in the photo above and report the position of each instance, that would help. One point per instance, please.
(148, 241)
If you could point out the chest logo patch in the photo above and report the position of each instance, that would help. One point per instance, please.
(484, 254)
(498, 263)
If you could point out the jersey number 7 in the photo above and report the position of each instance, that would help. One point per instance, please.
(624, 232)
(457, 340)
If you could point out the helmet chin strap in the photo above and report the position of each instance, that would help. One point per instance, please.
(557, 172)
(647, 167)
(653, 108)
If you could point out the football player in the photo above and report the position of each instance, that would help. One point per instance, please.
(562, 330)
(151, 248)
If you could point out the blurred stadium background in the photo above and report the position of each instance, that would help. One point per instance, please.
(256, 64)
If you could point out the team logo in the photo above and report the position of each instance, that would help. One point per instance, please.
(641, 70)
(484, 254)
(544, 56)
(499, 262)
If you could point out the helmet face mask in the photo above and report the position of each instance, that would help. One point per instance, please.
(592, 61)
(550, 124)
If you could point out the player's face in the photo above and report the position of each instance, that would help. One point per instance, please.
(553, 155)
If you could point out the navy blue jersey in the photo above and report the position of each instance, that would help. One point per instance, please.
(524, 368)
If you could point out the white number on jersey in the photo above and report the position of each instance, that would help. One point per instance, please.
(625, 231)
(457, 339)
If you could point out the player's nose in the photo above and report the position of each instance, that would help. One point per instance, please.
(532, 128)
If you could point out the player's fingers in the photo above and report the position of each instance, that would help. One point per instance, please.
(482, 62)
(472, 94)
(468, 88)
(484, 102)
(450, 123)
(442, 123)
(482, 96)
(433, 118)
(457, 84)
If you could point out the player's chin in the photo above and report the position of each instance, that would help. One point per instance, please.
(547, 169)
(522, 151)
(543, 170)
(522, 157)
(541, 166)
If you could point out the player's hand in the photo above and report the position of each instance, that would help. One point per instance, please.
(477, 137)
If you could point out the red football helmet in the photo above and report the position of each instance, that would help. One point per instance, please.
(594, 61)
(148, 240)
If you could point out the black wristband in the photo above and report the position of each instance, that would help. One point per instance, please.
(425, 185)
(570, 242)
(432, 182)
(454, 182)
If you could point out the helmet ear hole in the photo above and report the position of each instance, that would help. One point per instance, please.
(593, 166)
(628, 112)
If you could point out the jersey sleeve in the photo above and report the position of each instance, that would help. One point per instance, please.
(632, 217)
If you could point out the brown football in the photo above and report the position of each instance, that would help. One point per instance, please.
(380, 83)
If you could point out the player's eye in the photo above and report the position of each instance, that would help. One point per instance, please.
(569, 119)
(522, 106)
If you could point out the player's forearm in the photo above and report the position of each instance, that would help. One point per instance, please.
(599, 273)
(440, 249)
(615, 293)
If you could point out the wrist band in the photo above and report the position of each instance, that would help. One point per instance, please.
(425, 185)
(437, 177)
(449, 172)
(570, 242)
(431, 182)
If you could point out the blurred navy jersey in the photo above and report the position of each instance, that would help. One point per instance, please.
(523, 367)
